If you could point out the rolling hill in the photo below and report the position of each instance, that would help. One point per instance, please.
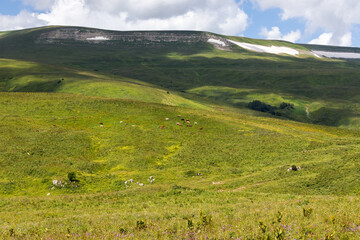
(113, 135)
(186, 62)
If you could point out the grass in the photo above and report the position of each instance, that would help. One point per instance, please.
(24, 76)
(270, 43)
(47, 135)
(182, 66)
(235, 162)
(112, 115)
(169, 213)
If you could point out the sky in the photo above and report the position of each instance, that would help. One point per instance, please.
(327, 22)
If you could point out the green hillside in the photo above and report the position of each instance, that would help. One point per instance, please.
(219, 166)
(150, 135)
(47, 135)
(185, 62)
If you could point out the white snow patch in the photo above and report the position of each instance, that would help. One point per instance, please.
(266, 49)
(98, 38)
(349, 55)
(217, 41)
(318, 56)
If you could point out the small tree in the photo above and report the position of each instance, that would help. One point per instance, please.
(72, 177)
(260, 106)
(287, 106)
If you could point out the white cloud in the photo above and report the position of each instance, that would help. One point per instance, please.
(292, 36)
(327, 39)
(65, 12)
(24, 19)
(275, 33)
(224, 16)
(323, 39)
(346, 40)
(331, 16)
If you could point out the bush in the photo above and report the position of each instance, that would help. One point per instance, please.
(287, 106)
(283, 110)
(190, 224)
(260, 106)
(307, 212)
(190, 173)
(140, 225)
(72, 177)
(205, 220)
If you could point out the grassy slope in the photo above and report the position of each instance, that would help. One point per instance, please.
(234, 169)
(269, 43)
(241, 159)
(325, 88)
(24, 76)
(233, 148)
(331, 48)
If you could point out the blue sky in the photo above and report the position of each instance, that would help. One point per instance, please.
(304, 21)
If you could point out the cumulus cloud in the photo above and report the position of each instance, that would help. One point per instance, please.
(24, 19)
(224, 16)
(292, 36)
(323, 39)
(331, 16)
(326, 39)
(275, 33)
(346, 39)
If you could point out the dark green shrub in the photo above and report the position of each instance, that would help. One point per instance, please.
(72, 177)
(261, 106)
(279, 217)
(190, 224)
(287, 106)
(262, 227)
(307, 212)
(283, 110)
(12, 232)
(190, 173)
(205, 219)
(140, 225)
(279, 234)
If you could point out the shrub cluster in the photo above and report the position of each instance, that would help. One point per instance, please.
(282, 110)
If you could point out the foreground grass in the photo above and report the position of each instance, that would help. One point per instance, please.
(165, 212)
(108, 141)
(143, 172)
(217, 182)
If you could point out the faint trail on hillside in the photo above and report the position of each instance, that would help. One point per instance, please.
(249, 186)
(307, 112)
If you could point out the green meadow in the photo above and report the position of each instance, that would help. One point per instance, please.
(125, 140)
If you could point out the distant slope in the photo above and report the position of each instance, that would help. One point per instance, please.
(335, 51)
(331, 48)
(324, 91)
(25, 76)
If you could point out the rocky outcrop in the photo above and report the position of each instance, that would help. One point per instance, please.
(64, 34)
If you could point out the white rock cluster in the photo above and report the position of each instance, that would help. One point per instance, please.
(151, 179)
(131, 181)
(58, 183)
